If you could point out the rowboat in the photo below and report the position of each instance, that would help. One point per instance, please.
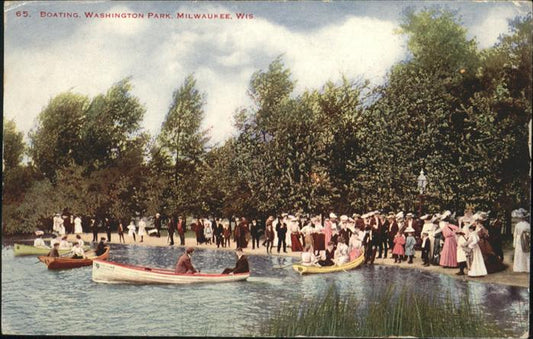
(59, 263)
(302, 269)
(117, 273)
(21, 249)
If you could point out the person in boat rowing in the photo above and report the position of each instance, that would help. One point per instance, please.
(184, 264)
(78, 252)
(54, 252)
(100, 249)
(241, 266)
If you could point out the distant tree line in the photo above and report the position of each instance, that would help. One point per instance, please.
(459, 113)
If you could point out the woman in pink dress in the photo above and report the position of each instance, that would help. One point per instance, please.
(398, 251)
(448, 256)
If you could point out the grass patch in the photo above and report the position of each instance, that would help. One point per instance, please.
(387, 312)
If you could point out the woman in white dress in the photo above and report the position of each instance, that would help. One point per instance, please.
(521, 258)
(142, 229)
(341, 253)
(477, 265)
(208, 231)
(308, 257)
(77, 225)
(131, 230)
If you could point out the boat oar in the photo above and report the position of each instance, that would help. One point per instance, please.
(287, 265)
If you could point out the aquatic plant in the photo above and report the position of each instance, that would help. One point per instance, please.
(386, 312)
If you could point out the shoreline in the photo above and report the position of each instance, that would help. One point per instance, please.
(506, 277)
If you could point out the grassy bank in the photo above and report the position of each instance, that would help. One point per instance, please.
(385, 313)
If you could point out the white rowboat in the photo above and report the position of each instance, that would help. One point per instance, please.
(117, 273)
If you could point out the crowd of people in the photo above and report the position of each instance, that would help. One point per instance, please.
(470, 242)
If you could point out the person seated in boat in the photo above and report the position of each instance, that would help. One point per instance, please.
(355, 244)
(341, 253)
(100, 248)
(330, 253)
(80, 240)
(54, 252)
(39, 242)
(241, 266)
(64, 244)
(308, 256)
(78, 252)
(184, 264)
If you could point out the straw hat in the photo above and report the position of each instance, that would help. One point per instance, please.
(409, 229)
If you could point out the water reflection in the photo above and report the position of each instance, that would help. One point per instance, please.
(33, 295)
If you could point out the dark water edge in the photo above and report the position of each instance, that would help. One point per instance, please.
(33, 295)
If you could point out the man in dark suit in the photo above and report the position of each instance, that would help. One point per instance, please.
(94, 228)
(107, 227)
(171, 229)
(241, 266)
(157, 224)
(281, 229)
(254, 232)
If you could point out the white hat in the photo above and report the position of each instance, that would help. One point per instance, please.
(344, 218)
(351, 220)
(376, 212)
(519, 213)
(425, 217)
(399, 215)
(356, 215)
(435, 217)
(445, 215)
(284, 214)
(332, 216)
(481, 216)
(409, 230)
(39, 232)
(409, 214)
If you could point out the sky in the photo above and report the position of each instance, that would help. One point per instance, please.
(46, 54)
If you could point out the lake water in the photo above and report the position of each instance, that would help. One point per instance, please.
(41, 302)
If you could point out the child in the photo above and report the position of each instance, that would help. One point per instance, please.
(410, 243)
(462, 249)
(269, 237)
(426, 246)
(398, 251)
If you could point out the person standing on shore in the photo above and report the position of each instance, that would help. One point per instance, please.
(77, 225)
(269, 235)
(426, 248)
(226, 234)
(398, 250)
(184, 264)
(521, 242)
(107, 227)
(157, 224)
(171, 229)
(254, 232)
(94, 229)
(410, 243)
(449, 249)
(181, 230)
(477, 265)
(281, 230)
(142, 228)
(121, 232)
(131, 230)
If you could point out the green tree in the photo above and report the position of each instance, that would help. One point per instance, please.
(57, 138)
(14, 146)
(183, 140)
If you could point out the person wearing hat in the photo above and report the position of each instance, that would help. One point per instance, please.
(492, 262)
(521, 242)
(429, 228)
(448, 256)
(39, 242)
(341, 254)
(329, 255)
(281, 231)
(180, 228)
(380, 234)
(157, 224)
(184, 264)
(294, 228)
(255, 232)
(410, 243)
(269, 234)
(426, 248)
(131, 230)
(344, 232)
(94, 229)
(467, 219)
(392, 229)
(120, 231)
(241, 266)
(77, 225)
(462, 249)
(100, 248)
(359, 222)
(64, 244)
(477, 265)
(54, 252)
(398, 251)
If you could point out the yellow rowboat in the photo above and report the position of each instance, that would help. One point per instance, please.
(302, 269)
